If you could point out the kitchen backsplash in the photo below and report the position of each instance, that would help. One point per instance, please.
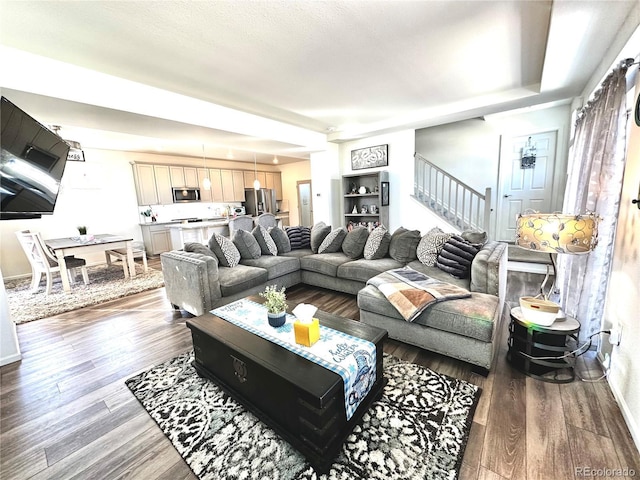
(166, 213)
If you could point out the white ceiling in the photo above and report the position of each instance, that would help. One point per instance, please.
(278, 78)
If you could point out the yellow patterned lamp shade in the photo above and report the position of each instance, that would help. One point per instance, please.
(557, 232)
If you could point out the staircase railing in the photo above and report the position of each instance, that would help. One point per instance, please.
(451, 199)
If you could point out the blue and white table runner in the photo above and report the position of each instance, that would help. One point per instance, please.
(353, 358)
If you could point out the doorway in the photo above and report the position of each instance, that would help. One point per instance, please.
(305, 208)
(524, 187)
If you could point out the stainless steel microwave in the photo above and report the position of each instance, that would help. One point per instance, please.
(186, 194)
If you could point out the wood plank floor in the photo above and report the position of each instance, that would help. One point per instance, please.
(66, 413)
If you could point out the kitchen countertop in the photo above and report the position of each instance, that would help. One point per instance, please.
(201, 223)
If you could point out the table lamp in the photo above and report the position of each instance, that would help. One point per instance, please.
(553, 233)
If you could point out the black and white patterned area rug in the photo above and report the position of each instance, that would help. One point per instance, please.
(417, 430)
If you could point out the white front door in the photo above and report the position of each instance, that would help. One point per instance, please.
(524, 189)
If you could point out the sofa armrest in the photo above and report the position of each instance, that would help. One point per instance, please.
(489, 270)
(191, 280)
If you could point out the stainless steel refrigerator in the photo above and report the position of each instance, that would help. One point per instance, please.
(260, 201)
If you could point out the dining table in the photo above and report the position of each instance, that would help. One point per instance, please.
(83, 244)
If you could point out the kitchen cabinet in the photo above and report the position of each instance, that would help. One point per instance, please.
(216, 185)
(268, 180)
(177, 176)
(204, 193)
(157, 239)
(190, 177)
(248, 178)
(163, 184)
(145, 180)
(277, 184)
(238, 185)
(228, 194)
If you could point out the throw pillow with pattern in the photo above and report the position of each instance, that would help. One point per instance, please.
(299, 237)
(332, 243)
(227, 253)
(456, 257)
(377, 244)
(267, 245)
(430, 246)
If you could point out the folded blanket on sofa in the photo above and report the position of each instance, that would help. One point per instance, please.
(411, 292)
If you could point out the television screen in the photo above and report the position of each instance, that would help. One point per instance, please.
(32, 162)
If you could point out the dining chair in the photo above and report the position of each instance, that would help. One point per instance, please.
(44, 262)
(240, 223)
(267, 220)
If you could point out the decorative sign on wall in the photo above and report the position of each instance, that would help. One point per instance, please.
(369, 157)
(528, 154)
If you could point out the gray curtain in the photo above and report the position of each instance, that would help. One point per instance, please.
(594, 184)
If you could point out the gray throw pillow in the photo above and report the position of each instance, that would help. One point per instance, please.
(267, 245)
(227, 253)
(246, 244)
(332, 243)
(403, 245)
(430, 246)
(198, 248)
(353, 244)
(377, 244)
(318, 233)
(474, 237)
(281, 239)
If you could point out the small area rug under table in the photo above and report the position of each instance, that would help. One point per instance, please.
(106, 283)
(417, 430)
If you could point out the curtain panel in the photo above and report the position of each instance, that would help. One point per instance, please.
(594, 184)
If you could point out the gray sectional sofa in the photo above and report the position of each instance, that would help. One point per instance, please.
(465, 329)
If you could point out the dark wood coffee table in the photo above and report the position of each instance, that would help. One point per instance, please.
(300, 400)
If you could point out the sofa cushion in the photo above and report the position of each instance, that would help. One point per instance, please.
(377, 244)
(353, 244)
(276, 266)
(240, 278)
(325, 263)
(280, 238)
(456, 256)
(246, 244)
(333, 242)
(298, 253)
(403, 245)
(299, 237)
(318, 233)
(267, 245)
(471, 317)
(430, 245)
(362, 270)
(198, 248)
(227, 253)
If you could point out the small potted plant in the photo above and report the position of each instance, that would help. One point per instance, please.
(276, 303)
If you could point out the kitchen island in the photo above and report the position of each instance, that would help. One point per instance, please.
(198, 231)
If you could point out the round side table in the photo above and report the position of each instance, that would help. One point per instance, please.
(543, 352)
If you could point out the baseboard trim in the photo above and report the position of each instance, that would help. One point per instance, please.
(10, 359)
(633, 427)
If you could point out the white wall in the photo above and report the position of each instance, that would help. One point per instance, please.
(471, 150)
(98, 193)
(325, 172)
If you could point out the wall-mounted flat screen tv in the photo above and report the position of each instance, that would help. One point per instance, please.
(31, 164)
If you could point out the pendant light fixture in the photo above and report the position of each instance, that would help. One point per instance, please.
(256, 182)
(206, 182)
